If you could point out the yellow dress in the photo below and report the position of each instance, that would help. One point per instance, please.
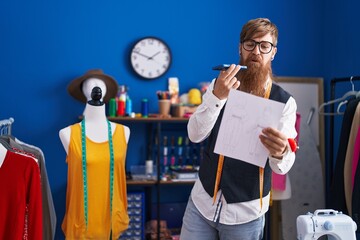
(98, 182)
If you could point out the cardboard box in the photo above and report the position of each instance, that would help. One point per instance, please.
(180, 110)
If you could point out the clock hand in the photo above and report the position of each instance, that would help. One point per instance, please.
(152, 57)
(142, 55)
(149, 58)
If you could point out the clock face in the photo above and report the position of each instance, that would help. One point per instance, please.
(150, 57)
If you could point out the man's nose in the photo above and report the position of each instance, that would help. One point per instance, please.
(257, 49)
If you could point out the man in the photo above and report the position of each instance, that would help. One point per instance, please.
(242, 199)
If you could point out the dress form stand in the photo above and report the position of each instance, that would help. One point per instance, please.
(96, 162)
(94, 114)
(95, 118)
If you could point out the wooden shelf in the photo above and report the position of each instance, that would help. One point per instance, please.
(149, 119)
(140, 183)
(153, 182)
(177, 182)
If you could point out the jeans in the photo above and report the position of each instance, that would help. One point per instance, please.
(196, 227)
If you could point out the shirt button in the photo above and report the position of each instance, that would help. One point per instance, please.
(216, 105)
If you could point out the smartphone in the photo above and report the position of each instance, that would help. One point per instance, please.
(223, 67)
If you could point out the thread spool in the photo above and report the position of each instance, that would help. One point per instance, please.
(144, 108)
(112, 107)
(121, 108)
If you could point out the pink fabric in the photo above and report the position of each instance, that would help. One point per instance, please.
(355, 158)
(279, 181)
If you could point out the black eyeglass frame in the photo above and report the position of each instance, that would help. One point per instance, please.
(258, 44)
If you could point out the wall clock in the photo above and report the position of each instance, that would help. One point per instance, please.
(150, 57)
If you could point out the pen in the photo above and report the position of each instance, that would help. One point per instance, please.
(223, 67)
(163, 95)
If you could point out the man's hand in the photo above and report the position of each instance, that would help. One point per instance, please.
(274, 141)
(226, 81)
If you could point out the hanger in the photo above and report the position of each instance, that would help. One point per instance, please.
(5, 132)
(356, 93)
(5, 126)
(310, 116)
(343, 100)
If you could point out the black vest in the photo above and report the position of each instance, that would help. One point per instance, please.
(239, 180)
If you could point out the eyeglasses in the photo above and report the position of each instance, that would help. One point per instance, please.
(264, 46)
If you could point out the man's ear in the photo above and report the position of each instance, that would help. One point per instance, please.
(273, 53)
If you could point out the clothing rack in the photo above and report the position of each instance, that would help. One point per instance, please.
(329, 167)
(5, 126)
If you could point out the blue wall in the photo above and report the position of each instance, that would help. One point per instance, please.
(46, 44)
(340, 54)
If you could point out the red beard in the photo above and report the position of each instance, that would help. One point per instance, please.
(254, 78)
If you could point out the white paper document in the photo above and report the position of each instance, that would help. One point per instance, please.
(244, 117)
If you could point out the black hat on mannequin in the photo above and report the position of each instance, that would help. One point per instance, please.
(75, 87)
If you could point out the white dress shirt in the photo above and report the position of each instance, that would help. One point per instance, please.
(199, 127)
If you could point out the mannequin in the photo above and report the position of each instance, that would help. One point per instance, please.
(97, 174)
(95, 115)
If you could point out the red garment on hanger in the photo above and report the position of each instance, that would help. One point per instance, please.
(20, 188)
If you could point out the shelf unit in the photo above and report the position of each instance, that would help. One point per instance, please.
(154, 182)
(149, 119)
(158, 122)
